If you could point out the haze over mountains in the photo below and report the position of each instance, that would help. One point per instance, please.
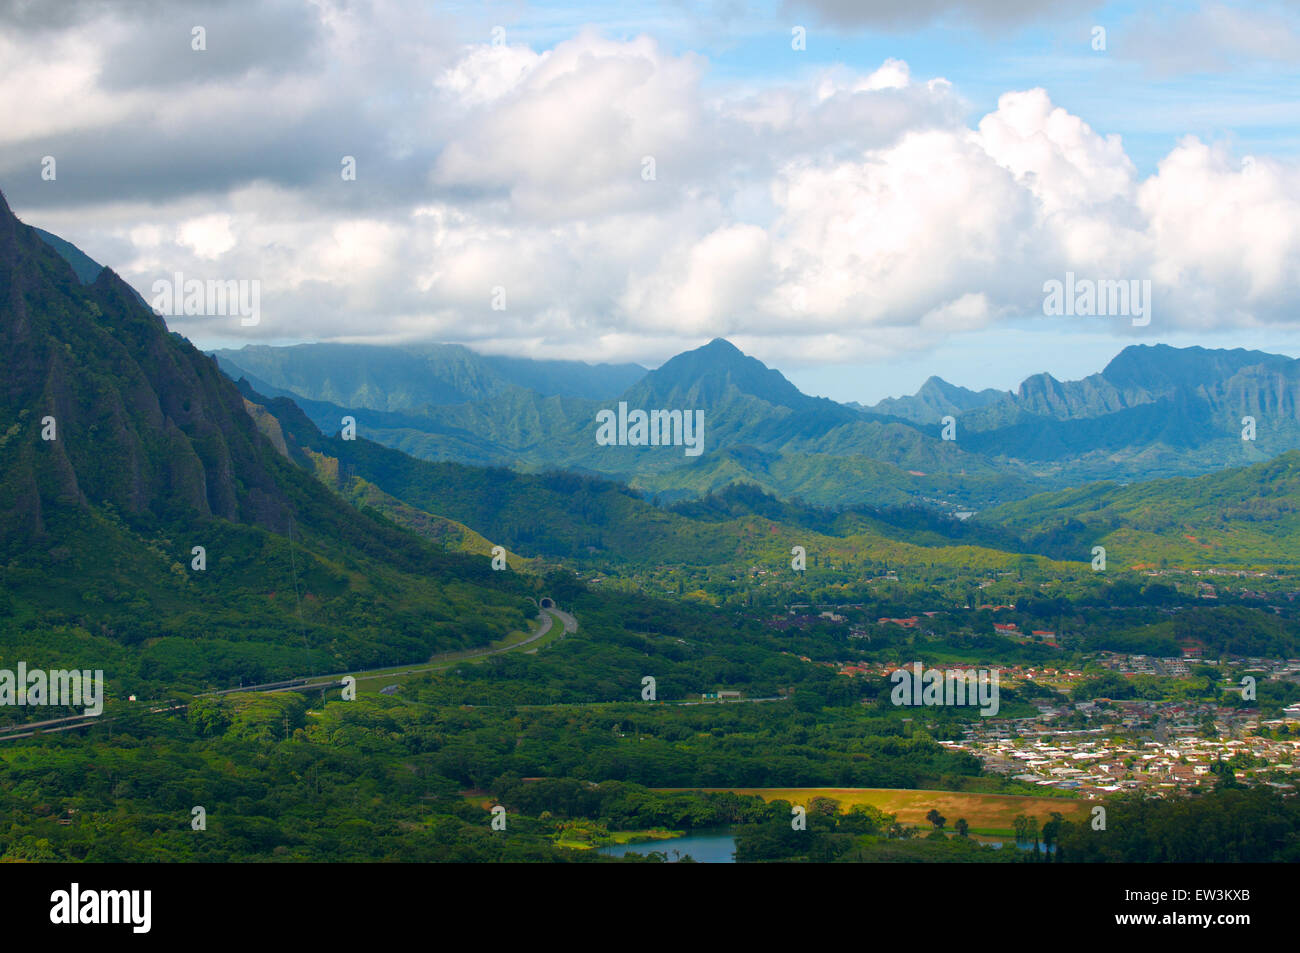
(935, 398)
(1154, 411)
(758, 428)
(412, 377)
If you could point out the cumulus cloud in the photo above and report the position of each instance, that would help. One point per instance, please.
(1224, 235)
(503, 196)
(567, 134)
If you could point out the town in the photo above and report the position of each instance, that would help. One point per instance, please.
(1103, 745)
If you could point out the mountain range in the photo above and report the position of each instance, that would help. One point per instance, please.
(1154, 411)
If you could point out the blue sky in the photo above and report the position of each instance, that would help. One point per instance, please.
(1128, 89)
(1003, 358)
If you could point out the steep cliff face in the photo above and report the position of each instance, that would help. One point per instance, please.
(152, 458)
(101, 404)
(1230, 381)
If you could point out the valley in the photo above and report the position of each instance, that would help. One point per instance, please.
(717, 650)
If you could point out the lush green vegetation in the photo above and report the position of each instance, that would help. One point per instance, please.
(1229, 826)
(1154, 411)
(323, 555)
(1244, 517)
(152, 454)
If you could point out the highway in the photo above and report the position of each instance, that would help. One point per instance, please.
(546, 620)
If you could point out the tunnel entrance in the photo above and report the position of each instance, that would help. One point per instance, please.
(547, 603)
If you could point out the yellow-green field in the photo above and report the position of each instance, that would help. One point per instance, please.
(983, 812)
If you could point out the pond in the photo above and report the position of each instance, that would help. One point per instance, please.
(705, 847)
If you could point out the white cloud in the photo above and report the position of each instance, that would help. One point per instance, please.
(707, 289)
(568, 137)
(901, 231)
(899, 14)
(1055, 155)
(845, 212)
(1225, 235)
(208, 236)
(487, 74)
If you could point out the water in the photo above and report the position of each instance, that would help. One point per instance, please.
(704, 847)
(1042, 848)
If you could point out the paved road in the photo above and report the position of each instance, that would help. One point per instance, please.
(546, 620)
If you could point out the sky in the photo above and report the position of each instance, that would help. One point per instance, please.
(860, 194)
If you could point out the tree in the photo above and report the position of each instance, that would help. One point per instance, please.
(963, 829)
(1050, 832)
(825, 806)
(935, 818)
(1021, 825)
(1227, 777)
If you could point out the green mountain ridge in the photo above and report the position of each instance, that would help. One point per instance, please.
(150, 453)
(565, 515)
(1247, 516)
(935, 399)
(822, 450)
(590, 520)
(1154, 411)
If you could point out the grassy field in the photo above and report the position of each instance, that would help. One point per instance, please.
(989, 814)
